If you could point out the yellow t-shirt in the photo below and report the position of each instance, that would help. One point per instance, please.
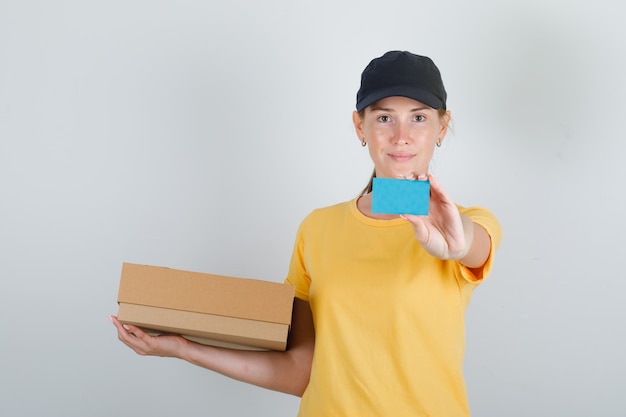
(389, 317)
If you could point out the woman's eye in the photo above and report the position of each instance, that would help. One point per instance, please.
(384, 119)
(419, 118)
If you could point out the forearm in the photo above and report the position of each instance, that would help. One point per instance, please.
(478, 244)
(278, 371)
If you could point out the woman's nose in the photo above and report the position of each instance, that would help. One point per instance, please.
(402, 135)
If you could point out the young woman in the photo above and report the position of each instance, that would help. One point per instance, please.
(378, 321)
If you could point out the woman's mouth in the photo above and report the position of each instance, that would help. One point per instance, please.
(401, 157)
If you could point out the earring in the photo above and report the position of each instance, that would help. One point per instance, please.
(363, 143)
(439, 143)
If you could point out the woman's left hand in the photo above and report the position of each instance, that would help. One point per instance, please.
(444, 233)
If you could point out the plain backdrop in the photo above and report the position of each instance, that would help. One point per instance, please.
(197, 135)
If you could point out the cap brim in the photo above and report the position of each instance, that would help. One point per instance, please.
(423, 96)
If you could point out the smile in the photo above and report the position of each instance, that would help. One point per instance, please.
(399, 157)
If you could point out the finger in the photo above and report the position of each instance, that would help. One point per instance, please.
(126, 332)
(435, 186)
(411, 218)
(116, 323)
(419, 226)
(124, 328)
(414, 176)
(132, 336)
(438, 194)
(135, 339)
(434, 183)
(406, 176)
(135, 333)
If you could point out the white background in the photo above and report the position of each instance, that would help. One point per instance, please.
(197, 135)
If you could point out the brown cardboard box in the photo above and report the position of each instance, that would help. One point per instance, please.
(211, 309)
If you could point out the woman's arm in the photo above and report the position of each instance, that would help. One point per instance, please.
(286, 372)
(478, 244)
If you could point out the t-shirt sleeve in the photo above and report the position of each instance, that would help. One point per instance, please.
(488, 221)
(297, 275)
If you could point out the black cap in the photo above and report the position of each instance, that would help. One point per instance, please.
(401, 73)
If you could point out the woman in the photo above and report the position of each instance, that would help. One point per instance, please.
(378, 321)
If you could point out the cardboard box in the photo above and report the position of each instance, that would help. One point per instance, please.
(211, 309)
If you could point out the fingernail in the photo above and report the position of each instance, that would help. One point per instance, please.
(126, 327)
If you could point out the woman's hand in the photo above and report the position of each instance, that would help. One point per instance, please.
(146, 345)
(444, 233)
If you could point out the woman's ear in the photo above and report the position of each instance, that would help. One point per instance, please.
(445, 123)
(358, 126)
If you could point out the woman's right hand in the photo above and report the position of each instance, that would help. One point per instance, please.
(146, 345)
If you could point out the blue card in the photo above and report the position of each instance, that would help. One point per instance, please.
(396, 196)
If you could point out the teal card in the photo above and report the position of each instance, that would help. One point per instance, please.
(396, 196)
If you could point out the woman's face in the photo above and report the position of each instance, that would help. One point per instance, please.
(401, 134)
